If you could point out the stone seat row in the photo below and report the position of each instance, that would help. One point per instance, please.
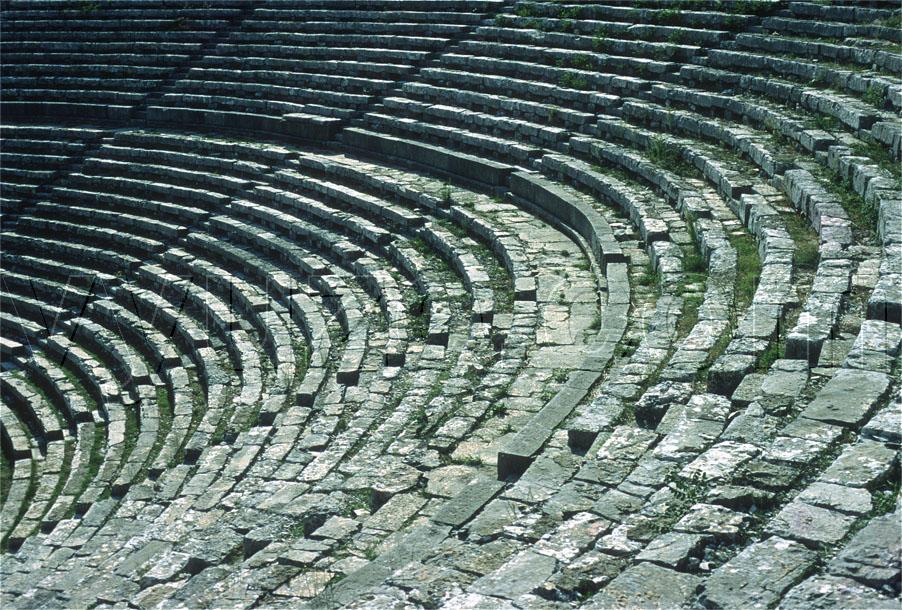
(50, 507)
(763, 116)
(392, 42)
(329, 79)
(97, 380)
(527, 70)
(107, 36)
(275, 52)
(112, 219)
(279, 286)
(481, 53)
(233, 171)
(411, 128)
(493, 104)
(881, 333)
(183, 330)
(279, 340)
(212, 100)
(36, 409)
(303, 66)
(115, 60)
(220, 318)
(700, 19)
(608, 42)
(66, 110)
(121, 24)
(877, 188)
(132, 52)
(856, 115)
(344, 307)
(32, 156)
(28, 178)
(20, 520)
(753, 211)
(78, 255)
(646, 32)
(17, 445)
(321, 15)
(136, 12)
(465, 6)
(829, 51)
(307, 126)
(57, 5)
(30, 150)
(364, 177)
(760, 322)
(408, 220)
(534, 90)
(227, 150)
(838, 12)
(760, 115)
(304, 311)
(830, 29)
(46, 317)
(267, 217)
(184, 185)
(854, 81)
(200, 199)
(756, 146)
(16, 439)
(76, 97)
(515, 129)
(347, 311)
(130, 367)
(337, 28)
(739, 454)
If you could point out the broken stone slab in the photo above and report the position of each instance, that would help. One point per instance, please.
(414, 545)
(876, 346)
(336, 528)
(521, 575)
(572, 537)
(587, 574)
(861, 465)
(645, 585)
(468, 502)
(886, 425)
(673, 549)
(740, 498)
(758, 576)
(720, 461)
(599, 415)
(825, 591)
(810, 525)
(849, 500)
(874, 555)
(688, 438)
(517, 453)
(728, 372)
(712, 520)
(849, 397)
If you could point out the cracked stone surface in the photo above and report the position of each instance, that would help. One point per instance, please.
(469, 304)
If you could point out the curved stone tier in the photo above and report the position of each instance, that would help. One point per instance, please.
(450, 303)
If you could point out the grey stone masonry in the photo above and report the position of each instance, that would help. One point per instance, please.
(450, 304)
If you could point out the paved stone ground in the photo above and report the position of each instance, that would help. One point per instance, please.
(482, 304)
